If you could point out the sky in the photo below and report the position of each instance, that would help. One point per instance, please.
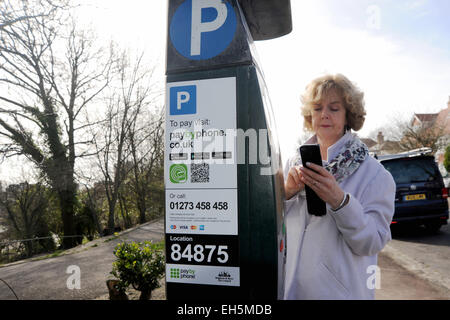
(396, 51)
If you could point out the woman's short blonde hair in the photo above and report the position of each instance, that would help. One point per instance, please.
(352, 97)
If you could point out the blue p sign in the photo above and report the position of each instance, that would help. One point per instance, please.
(202, 29)
(183, 100)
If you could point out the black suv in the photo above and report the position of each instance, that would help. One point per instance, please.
(421, 196)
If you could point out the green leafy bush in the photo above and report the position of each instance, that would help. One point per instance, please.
(447, 159)
(140, 265)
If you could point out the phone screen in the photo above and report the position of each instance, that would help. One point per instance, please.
(311, 153)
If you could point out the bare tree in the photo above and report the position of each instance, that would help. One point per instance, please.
(25, 205)
(406, 136)
(90, 203)
(11, 12)
(125, 104)
(49, 73)
(147, 154)
(414, 137)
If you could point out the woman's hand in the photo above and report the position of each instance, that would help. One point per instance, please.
(323, 183)
(293, 183)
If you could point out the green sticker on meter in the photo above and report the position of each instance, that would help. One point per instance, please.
(178, 173)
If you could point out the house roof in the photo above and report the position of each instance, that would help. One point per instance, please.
(369, 142)
(386, 146)
(443, 119)
(390, 145)
(426, 117)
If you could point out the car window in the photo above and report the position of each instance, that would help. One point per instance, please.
(412, 170)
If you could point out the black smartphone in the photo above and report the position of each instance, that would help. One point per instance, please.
(311, 153)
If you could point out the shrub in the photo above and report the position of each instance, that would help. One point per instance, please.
(447, 159)
(140, 265)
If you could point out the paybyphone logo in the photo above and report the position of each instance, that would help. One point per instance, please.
(202, 29)
(174, 273)
(180, 273)
(183, 100)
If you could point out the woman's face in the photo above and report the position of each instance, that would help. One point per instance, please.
(328, 118)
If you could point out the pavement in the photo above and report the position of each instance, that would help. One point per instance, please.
(47, 279)
(402, 278)
(415, 265)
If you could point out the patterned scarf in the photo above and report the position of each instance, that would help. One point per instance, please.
(347, 161)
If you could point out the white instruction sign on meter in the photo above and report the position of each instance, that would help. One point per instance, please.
(200, 122)
(201, 182)
(204, 211)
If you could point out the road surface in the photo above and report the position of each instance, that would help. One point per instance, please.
(47, 279)
(412, 266)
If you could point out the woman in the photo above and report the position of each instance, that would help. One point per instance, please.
(335, 256)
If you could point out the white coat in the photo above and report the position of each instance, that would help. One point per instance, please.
(335, 256)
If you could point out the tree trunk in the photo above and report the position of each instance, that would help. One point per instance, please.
(96, 221)
(124, 211)
(142, 218)
(29, 248)
(93, 210)
(111, 220)
(142, 207)
(67, 203)
(28, 234)
(145, 294)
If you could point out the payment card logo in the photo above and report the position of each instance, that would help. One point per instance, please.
(183, 100)
(202, 29)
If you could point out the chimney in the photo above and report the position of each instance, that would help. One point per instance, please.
(380, 138)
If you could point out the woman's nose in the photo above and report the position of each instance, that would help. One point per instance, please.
(324, 114)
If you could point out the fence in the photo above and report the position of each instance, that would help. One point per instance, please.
(11, 245)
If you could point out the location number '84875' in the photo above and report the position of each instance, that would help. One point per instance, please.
(199, 253)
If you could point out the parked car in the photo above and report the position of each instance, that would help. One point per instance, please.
(421, 196)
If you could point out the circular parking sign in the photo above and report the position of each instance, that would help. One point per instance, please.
(202, 29)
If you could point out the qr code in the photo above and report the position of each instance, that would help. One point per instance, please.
(199, 172)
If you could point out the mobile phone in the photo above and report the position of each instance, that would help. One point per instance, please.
(311, 153)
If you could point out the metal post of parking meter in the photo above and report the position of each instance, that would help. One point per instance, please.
(224, 220)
